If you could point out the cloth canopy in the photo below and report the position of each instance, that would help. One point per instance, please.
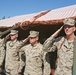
(50, 17)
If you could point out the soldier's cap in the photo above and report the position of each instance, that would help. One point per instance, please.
(0, 33)
(69, 21)
(13, 32)
(33, 33)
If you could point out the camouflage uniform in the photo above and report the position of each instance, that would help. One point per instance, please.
(34, 59)
(64, 47)
(12, 61)
(2, 53)
(13, 58)
(65, 54)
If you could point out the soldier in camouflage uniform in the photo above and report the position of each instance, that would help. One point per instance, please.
(12, 60)
(64, 46)
(2, 52)
(34, 55)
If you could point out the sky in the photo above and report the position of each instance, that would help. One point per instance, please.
(11, 8)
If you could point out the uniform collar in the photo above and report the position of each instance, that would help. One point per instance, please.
(14, 41)
(66, 43)
(35, 45)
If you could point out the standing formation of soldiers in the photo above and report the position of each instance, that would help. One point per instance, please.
(37, 60)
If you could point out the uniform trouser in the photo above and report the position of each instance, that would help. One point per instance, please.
(32, 73)
(12, 71)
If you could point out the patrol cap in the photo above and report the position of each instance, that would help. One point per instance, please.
(13, 32)
(33, 33)
(69, 21)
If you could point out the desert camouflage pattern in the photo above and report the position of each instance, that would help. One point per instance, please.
(65, 54)
(2, 53)
(34, 59)
(12, 61)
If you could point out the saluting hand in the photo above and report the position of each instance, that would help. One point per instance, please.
(26, 39)
(8, 36)
(57, 32)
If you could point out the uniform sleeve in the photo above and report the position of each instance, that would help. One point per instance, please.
(42, 55)
(49, 45)
(22, 59)
(5, 40)
(20, 45)
(22, 49)
(2, 48)
(2, 54)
